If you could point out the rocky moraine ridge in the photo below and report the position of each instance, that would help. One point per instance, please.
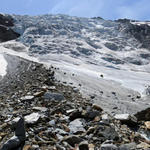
(38, 112)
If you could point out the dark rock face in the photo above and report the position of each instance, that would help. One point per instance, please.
(6, 33)
(139, 32)
(6, 20)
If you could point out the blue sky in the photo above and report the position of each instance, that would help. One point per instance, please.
(107, 9)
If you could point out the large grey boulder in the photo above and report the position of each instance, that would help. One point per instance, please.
(18, 140)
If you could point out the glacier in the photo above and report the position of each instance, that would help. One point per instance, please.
(89, 48)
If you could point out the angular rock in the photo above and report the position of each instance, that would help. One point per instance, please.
(70, 111)
(74, 115)
(72, 140)
(42, 109)
(91, 114)
(147, 124)
(18, 140)
(106, 132)
(126, 119)
(84, 145)
(97, 107)
(52, 123)
(109, 147)
(128, 146)
(76, 126)
(53, 96)
(143, 115)
(39, 94)
(61, 132)
(27, 98)
(32, 118)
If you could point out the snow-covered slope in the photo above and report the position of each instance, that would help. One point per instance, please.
(101, 57)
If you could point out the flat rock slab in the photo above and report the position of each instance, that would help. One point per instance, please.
(42, 109)
(27, 98)
(76, 126)
(32, 118)
(53, 96)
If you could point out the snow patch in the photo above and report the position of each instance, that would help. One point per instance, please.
(3, 65)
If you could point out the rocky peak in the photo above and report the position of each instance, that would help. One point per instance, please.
(140, 31)
(6, 33)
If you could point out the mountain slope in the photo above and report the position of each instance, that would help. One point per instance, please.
(105, 56)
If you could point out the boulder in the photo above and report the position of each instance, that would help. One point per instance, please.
(84, 145)
(72, 140)
(143, 115)
(76, 126)
(32, 118)
(128, 119)
(18, 140)
(53, 96)
(106, 132)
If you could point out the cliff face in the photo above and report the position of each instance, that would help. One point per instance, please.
(139, 30)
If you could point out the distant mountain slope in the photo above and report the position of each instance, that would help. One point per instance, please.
(105, 56)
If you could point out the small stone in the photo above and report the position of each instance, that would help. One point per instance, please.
(74, 115)
(91, 147)
(107, 132)
(97, 107)
(105, 117)
(39, 94)
(72, 140)
(66, 128)
(52, 88)
(27, 98)
(97, 119)
(109, 147)
(32, 118)
(91, 114)
(84, 145)
(91, 130)
(4, 125)
(27, 147)
(70, 111)
(143, 145)
(76, 126)
(35, 147)
(52, 123)
(130, 146)
(61, 132)
(147, 124)
(42, 109)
